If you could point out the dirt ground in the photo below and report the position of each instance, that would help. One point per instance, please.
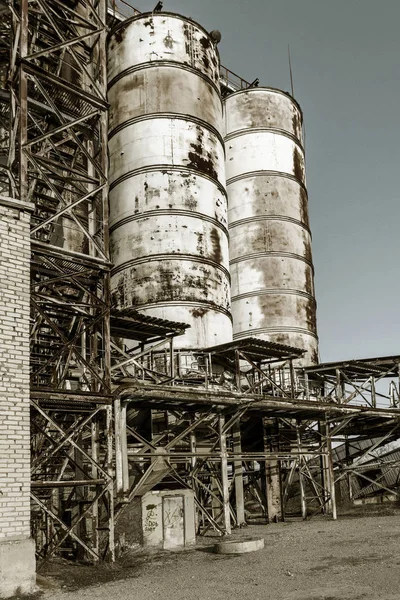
(354, 558)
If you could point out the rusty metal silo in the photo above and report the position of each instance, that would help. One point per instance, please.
(168, 207)
(270, 239)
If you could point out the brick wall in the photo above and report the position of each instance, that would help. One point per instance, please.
(14, 371)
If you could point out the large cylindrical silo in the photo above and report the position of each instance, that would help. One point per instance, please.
(270, 240)
(168, 208)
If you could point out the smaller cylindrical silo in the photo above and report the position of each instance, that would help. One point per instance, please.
(270, 239)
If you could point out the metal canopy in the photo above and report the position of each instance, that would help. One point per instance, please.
(195, 399)
(256, 350)
(362, 368)
(132, 325)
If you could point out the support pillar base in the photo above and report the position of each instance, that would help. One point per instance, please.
(17, 567)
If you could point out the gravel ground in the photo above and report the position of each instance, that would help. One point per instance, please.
(350, 559)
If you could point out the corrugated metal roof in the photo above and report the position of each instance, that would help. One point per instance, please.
(133, 325)
(360, 368)
(255, 349)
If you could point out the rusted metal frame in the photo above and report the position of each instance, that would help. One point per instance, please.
(75, 429)
(56, 483)
(187, 431)
(67, 342)
(77, 306)
(61, 171)
(63, 121)
(234, 419)
(61, 84)
(141, 439)
(109, 456)
(330, 473)
(39, 429)
(72, 50)
(118, 448)
(70, 441)
(118, 349)
(219, 486)
(303, 499)
(94, 13)
(23, 102)
(61, 199)
(341, 425)
(140, 355)
(47, 250)
(67, 208)
(53, 132)
(132, 361)
(237, 371)
(62, 165)
(224, 475)
(74, 278)
(151, 447)
(215, 456)
(272, 469)
(80, 177)
(273, 383)
(257, 494)
(314, 484)
(202, 509)
(61, 45)
(238, 476)
(207, 489)
(124, 444)
(199, 465)
(288, 483)
(14, 112)
(374, 481)
(358, 389)
(369, 380)
(63, 361)
(375, 446)
(181, 418)
(292, 379)
(69, 530)
(70, 349)
(53, 516)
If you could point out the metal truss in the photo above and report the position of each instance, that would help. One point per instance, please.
(365, 455)
(208, 451)
(53, 154)
(242, 465)
(72, 481)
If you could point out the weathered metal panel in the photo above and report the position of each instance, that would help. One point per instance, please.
(129, 98)
(163, 141)
(270, 241)
(168, 206)
(270, 108)
(162, 37)
(253, 151)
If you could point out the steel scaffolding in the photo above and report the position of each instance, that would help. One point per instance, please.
(54, 154)
(254, 436)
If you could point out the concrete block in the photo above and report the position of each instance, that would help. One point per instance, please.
(17, 567)
(168, 519)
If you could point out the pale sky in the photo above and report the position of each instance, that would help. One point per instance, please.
(346, 69)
